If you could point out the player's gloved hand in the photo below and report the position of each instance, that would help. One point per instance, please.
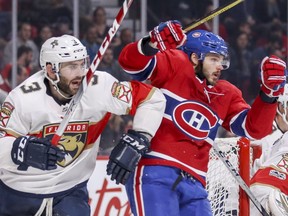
(36, 152)
(167, 35)
(126, 155)
(273, 76)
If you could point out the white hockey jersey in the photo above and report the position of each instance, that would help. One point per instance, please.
(270, 171)
(30, 109)
(269, 146)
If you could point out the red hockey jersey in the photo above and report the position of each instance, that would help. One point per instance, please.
(194, 110)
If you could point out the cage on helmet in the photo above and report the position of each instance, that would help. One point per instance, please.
(202, 42)
(283, 99)
(65, 48)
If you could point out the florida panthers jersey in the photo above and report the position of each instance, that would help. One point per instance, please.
(194, 110)
(30, 109)
(271, 168)
(269, 146)
(270, 171)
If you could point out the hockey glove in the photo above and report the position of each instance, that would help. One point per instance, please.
(167, 35)
(126, 155)
(35, 152)
(273, 76)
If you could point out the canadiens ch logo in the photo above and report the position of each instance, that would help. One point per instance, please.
(194, 119)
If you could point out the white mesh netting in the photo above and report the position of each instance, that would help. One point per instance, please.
(223, 189)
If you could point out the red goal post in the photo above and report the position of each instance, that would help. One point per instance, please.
(225, 194)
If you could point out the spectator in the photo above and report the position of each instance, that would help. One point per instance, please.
(63, 26)
(5, 83)
(24, 59)
(45, 32)
(24, 38)
(110, 65)
(100, 20)
(90, 41)
(53, 9)
(266, 11)
(84, 8)
(274, 42)
(209, 24)
(126, 37)
(239, 72)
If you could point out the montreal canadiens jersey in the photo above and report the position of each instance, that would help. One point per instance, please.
(194, 110)
(30, 109)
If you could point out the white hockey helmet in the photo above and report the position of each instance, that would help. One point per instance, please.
(61, 49)
(283, 99)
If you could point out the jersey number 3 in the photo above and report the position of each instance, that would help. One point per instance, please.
(30, 88)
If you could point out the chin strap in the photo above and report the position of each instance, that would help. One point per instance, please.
(55, 86)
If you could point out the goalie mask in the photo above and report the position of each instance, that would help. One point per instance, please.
(283, 99)
(57, 50)
(202, 42)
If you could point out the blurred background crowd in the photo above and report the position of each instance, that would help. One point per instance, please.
(253, 30)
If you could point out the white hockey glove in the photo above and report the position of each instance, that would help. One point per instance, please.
(126, 155)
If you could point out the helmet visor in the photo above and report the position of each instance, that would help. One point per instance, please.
(217, 60)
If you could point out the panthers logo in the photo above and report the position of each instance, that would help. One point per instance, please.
(283, 163)
(72, 146)
(72, 141)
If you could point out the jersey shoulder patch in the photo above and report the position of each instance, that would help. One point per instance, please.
(121, 91)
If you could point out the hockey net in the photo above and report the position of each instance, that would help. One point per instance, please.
(224, 193)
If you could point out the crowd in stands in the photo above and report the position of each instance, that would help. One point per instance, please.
(253, 29)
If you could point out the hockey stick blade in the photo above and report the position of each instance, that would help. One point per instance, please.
(95, 63)
(239, 179)
(211, 15)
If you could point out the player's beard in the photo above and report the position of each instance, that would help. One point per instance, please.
(64, 86)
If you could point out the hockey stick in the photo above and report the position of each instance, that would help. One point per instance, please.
(211, 15)
(239, 179)
(95, 63)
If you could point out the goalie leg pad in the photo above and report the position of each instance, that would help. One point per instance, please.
(278, 203)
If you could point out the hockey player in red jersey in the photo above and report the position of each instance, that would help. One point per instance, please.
(37, 178)
(269, 181)
(170, 179)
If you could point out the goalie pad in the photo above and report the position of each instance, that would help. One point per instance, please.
(278, 203)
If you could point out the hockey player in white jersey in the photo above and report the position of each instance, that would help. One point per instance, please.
(39, 178)
(270, 172)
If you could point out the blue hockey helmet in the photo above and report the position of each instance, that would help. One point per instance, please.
(202, 42)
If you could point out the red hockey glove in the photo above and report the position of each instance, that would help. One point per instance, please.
(167, 35)
(273, 76)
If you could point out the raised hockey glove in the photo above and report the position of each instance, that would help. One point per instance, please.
(126, 155)
(167, 35)
(273, 76)
(36, 152)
